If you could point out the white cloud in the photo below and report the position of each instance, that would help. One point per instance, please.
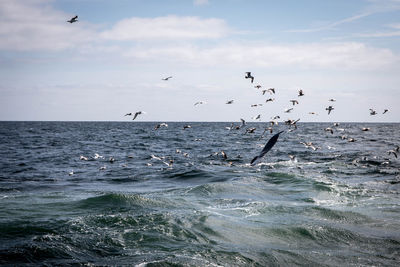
(348, 55)
(34, 25)
(169, 27)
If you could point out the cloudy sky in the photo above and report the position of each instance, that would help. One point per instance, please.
(113, 59)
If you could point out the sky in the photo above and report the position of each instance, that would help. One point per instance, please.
(112, 61)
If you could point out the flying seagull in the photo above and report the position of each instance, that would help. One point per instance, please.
(301, 93)
(386, 110)
(74, 19)
(167, 78)
(372, 112)
(294, 102)
(200, 103)
(329, 109)
(271, 90)
(229, 102)
(128, 114)
(248, 76)
(137, 114)
(271, 142)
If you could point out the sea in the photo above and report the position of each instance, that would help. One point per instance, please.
(127, 194)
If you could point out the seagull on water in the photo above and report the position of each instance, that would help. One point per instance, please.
(248, 76)
(74, 19)
(186, 127)
(158, 126)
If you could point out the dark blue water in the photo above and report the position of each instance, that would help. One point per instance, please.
(335, 206)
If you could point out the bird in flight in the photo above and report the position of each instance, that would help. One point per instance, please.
(200, 103)
(386, 110)
(271, 90)
(128, 114)
(74, 19)
(229, 102)
(167, 78)
(372, 112)
(294, 102)
(301, 92)
(329, 109)
(248, 76)
(137, 114)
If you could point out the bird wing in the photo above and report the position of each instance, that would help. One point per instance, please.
(271, 142)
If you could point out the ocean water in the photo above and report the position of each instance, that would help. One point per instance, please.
(336, 206)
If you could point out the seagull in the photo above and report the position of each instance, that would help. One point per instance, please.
(332, 100)
(111, 160)
(158, 126)
(74, 19)
(294, 102)
(301, 92)
(269, 100)
(200, 103)
(167, 78)
(258, 86)
(392, 152)
(186, 127)
(372, 112)
(271, 90)
(243, 123)
(288, 110)
(276, 117)
(309, 145)
(257, 117)
(329, 130)
(386, 110)
(270, 129)
(312, 113)
(255, 105)
(264, 91)
(329, 109)
(128, 114)
(83, 158)
(229, 102)
(224, 154)
(72, 172)
(248, 76)
(365, 129)
(271, 142)
(137, 114)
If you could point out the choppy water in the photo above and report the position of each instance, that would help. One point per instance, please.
(329, 207)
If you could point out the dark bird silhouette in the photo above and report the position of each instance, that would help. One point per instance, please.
(294, 102)
(128, 114)
(386, 110)
(137, 114)
(74, 19)
(329, 109)
(301, 93)
(229, 102)
(258, 86)
(248, 76)
(167, 78)
(271, 142)
(372, 112)
(271, 90)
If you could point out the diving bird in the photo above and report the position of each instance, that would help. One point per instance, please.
(271, 142)
(137, 114)
(248, 76)
(167, 78)
(74, 19)
(329, 109)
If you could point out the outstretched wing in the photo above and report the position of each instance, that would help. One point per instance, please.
(271, 142)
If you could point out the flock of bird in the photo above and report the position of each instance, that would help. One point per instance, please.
(272, 91)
